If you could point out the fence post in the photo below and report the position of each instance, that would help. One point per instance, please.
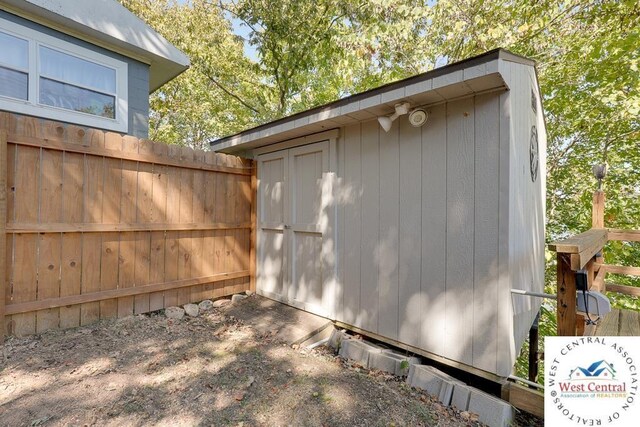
(566, 297)
(597, 212)
(3, 224)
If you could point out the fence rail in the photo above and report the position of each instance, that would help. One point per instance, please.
(98, 225)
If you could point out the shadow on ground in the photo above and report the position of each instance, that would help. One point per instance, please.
(210, 370)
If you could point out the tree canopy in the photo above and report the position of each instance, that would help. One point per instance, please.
(310, 53)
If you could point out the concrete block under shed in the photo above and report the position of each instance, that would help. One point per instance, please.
(460, 398)
(358, 351)
(491, 411)
(337, 337)
(433, 381)
(394, 363)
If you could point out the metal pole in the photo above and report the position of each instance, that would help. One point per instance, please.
(533, 294)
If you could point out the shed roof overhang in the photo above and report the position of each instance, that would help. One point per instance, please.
(471, 76)
(108, 24)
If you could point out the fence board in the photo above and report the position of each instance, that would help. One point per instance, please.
(49, 245)
(156, 269)
(141, 270)
(72, 211)
(70, 278)
(24, 282)
(109, 273)
(91, 244)
(186, 216)
(91, 251)
(99, 225)
(110, 251)
(3, 221)
(173, 216)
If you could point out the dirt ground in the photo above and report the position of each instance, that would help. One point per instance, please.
(209, 370)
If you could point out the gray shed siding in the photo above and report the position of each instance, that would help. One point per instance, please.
(527, 206)
(420, 242)
(138, 75)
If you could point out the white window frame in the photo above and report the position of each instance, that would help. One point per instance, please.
(32, 106)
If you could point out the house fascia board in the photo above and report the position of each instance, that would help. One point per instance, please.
(108, 24)
(465, 78)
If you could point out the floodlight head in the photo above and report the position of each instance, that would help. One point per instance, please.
(386, 122)
(418, 117)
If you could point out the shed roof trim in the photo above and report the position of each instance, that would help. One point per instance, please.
(108, 24)
(473, 75)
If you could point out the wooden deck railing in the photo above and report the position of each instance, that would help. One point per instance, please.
(585, 252)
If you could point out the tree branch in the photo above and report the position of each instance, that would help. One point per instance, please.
(233, 95)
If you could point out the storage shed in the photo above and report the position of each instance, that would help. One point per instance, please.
(416, 235)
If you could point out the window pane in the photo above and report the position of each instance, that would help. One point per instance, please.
(14, 83)
(74, 98)
(14, 52)
(70, 69)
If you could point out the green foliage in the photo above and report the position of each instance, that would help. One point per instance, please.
(217, 95)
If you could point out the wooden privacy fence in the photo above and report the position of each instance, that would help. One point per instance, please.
(99, 226)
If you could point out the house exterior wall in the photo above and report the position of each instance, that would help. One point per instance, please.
(420, 219)
(138, 75)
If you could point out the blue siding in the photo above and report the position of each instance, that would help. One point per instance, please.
(138, 78)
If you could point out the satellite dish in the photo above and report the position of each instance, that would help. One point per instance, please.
(418, 117)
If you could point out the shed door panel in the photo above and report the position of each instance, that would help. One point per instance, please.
(272, 245)
(293, 226)
(308, 166)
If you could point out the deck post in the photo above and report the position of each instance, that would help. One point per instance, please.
(566, 296)
(597, 212)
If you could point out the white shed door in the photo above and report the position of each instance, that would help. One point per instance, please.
(292, 227)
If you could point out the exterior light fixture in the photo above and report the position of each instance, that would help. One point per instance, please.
(599, 172)
(401, 110)
(418, 117)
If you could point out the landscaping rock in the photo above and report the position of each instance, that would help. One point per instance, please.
(249, 293)
(237, 298)
(205, 305)
(221, 302)
(174, 313)
(191, 310)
